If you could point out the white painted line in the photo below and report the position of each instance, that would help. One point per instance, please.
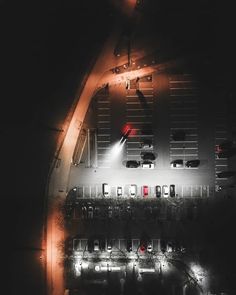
(141, 135)
(101, 135)
(148, 88)
(101, 141)
(104, 101)
(183, 88)
(184, 122)
(185, 141)
(184, 148)
(220, 138)
(138, 122)
(185, 155)
(190, 94)
(182, 81)
(132, 110)
(183, 115)
(104, 148)
(144, 95)
(183, 128)
(104, 115)
(221, 165)
(138, 116)
(217, 178)
(135, 102)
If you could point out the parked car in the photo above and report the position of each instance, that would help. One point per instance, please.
(145, 191)
(84, 212)
(172, 190)
(165, 191)
(177, 163)
(226, 174)
(96, 212)
(90, 212)
(129, 247)
(192, 163)
(142, 246)
(132, 164)
(147, 165)
(105, 190)
(146, 144)
(179, 135)
(119, 191)
(148, 156)
(163, 245)
(226, 145)
(149, 247)
(158, 191)
(96, 245)
(133, 190)
(109, 245)
(109, 212)
(226, 153)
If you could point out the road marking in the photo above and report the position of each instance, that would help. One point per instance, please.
(184, 88)
(136, 96)
(189, 94)
(138, 122)
(138, 102)
(183, 128)
(185, 141)
(184, 148)
(183, 115)
(186, 155)
(138, 116)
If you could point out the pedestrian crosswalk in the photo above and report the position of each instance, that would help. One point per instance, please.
(183, 117)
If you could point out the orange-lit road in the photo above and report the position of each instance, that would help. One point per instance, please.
(59, 177)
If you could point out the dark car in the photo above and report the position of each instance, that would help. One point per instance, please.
(163, 245)
(225, 145)
(178, 135)
(132, 164)
(129, 247)
(177, 163)
(146, 144)
(226, 174)
(148, 156)
(158, 191)
(172, 190)
(192, 163)
(226, 153)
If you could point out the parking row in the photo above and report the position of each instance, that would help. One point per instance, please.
(139, 115)
(183, 118)
(122, 246)
(145, 191)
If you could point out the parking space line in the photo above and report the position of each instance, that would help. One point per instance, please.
(138, 102)
(186, 155)
(183, 148)
(183, 128)
(136, 96)
(139, 116)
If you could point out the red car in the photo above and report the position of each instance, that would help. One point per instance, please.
(145, 191)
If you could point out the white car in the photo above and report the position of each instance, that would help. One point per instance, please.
(133, 190)
(105, 190)
(119, 191)
(147, 165)
(96, 245)
(149, 247)
(165, 191)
